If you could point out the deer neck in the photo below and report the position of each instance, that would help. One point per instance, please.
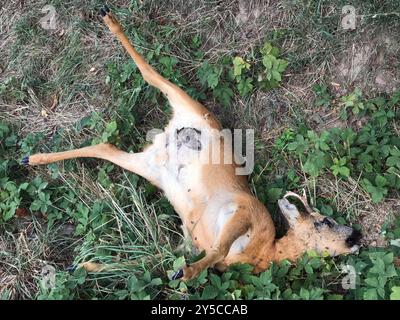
(288, 247)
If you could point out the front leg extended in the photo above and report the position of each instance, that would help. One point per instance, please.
(135, 162)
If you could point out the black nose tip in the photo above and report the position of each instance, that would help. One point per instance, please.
(354, 238)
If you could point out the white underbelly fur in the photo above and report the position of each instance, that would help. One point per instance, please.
(225, 213)
(180, 171)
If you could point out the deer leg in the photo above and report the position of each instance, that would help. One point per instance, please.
(179, 99)
(134, 162)
(238, 225)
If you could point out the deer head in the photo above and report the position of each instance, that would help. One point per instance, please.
(310, 230)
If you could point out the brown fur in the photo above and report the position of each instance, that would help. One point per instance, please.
(214, 186)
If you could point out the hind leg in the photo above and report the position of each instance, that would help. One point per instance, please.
(179, 100)
(233, 229)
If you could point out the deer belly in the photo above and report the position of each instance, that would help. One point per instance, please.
(184, 149)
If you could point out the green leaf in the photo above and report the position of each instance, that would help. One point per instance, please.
(300, 145)
(275, 51)
(395, 242)
(35, 205)
(380, 181)
(308, 269)
(156, 282)
(212, 80)
(370, 294)
(209, 292)
(372, 282)
(266, 49)
(393, 161)
(273, 194)
(315, 163)
(326, 210)
(215, 280)
(334, 297)
(265, 277)
(344, 171)
(80, 275)
(339, 167)
(209, 75)
(223, 94)
(395, 295)
(239, 65)
(12, 207)
(377, 193)
(245, 86)
(388, 258)
(24, 186)
(282, 65)
(42, 196)
(179, 263)
(304, 294)
(379, 266)
(111, 127)
(267, 62)
(276, 75)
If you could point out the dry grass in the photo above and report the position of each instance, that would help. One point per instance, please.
(25, 250)
(355, 204)
(318, 50)
(56, 74)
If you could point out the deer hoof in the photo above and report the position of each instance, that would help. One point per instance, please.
(25, 161)
(102, 12)
(178, 275)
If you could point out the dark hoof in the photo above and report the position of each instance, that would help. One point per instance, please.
(25, 161)
(71, 268)
(178, 275)
(102, 12)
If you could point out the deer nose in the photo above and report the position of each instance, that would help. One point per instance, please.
(354, 238)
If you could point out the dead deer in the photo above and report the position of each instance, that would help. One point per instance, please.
(218, 211)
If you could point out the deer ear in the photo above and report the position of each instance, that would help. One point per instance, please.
(302, 198)
(289, 211)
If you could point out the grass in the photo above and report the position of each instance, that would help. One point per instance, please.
(75, 86)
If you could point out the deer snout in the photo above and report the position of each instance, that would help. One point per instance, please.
(354, 239)
(349, 238)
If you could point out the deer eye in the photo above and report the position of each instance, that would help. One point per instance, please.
(328, 222)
